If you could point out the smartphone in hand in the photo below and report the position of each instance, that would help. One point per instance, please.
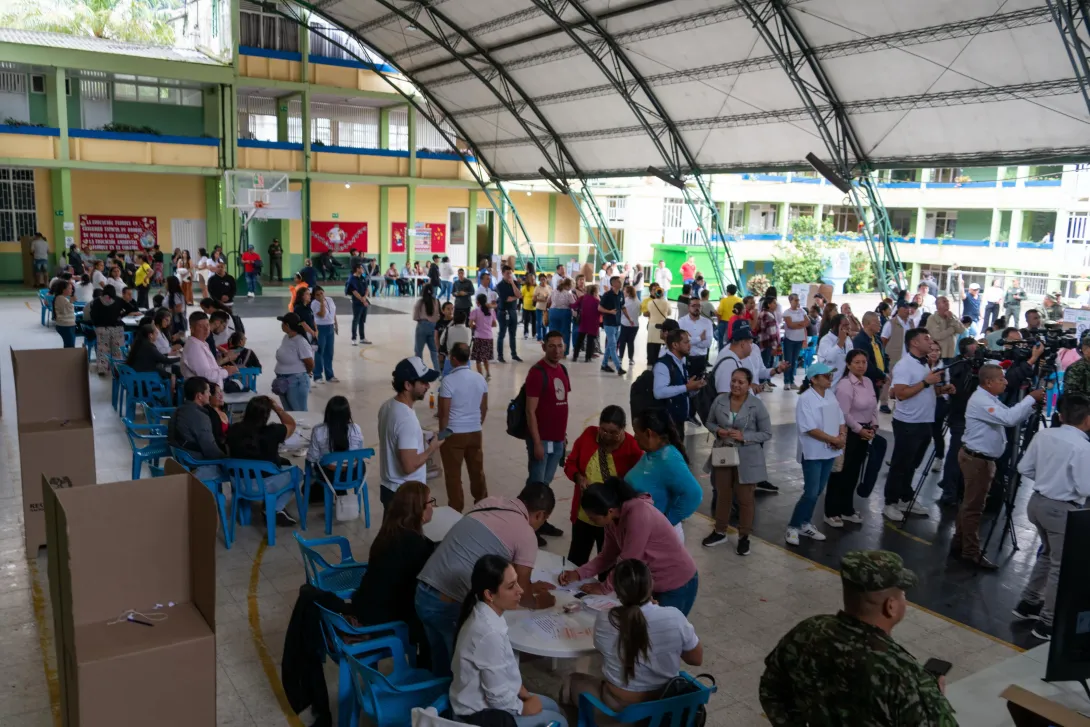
(938, 667)
(444, 434)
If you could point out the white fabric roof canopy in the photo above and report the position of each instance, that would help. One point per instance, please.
(926, 82)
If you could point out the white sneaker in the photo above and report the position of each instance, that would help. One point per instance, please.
(250, 294)
(892, 512)
(792, 536)
(937, 467)
(354, 343)
(855, 517)
(916, 509)
(811, 532)
(834, 522)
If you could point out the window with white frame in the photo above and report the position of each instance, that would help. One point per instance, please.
(399, 129)
(17, 213)
(259, 28)
(844, 219)
(1034, 281)
(797, 211)
(147, 89)
(945, 174)
(257, 118)
(763, 218)
(14, 101)
(429, 137)
(736, 216)
(1077, 249)
(673, 211)
(901, 221)
(940, 223)
(615, 209)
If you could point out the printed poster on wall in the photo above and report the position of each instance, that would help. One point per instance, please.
(427, 237)
(338, 236)
(397, 237)
(1079, 317)
(115, 232)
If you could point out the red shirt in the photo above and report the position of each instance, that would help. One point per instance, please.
(550, 386)
(688, 271)
(248, 260)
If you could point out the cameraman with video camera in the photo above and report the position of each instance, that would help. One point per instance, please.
(964, 379)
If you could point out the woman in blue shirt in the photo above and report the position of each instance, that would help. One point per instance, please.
(663, 471)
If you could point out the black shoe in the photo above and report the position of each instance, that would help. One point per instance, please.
(983, 563)
(1042, 631)
(766, 486)
(541, 542)
(885, 409)
(1027, 611)
(499, 359)
(955, 552)
(621, 372)
(743, 545)
(713, 540)
(284, 520)
(516, 358)
(948, 502)
(551, 530)
(608, 370)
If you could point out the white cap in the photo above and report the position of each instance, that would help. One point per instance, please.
(974, 286)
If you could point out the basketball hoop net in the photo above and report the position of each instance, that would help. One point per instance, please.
(258, 206)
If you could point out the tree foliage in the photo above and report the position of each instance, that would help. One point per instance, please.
(800, 258)
(134, 21)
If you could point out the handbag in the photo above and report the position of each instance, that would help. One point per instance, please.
(679, 685)
(724, 455)
(280, 385)
(347, 505)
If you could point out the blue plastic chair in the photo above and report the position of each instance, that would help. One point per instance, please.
(1057, 383)
(154, 449)
(809, 352)
(141, 388)
(677, 711)
(342, 578)
(46, 301)
(388, 700)
(351, 474)
(247, 377)
(158, 414)
(214, 485)
(248, 484)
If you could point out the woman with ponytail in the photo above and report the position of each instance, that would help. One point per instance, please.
(487, 684)
(636, 529)
(642, 645)
(663, 471)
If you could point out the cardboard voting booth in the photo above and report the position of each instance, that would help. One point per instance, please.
(132, 545)
(1032, 710)
(56, 438)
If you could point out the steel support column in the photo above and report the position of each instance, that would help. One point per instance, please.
(445, 33)
(785, 40)
(429, 107)
(1070, 17)
(588, 34)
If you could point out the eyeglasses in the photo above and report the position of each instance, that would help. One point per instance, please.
(431, 502)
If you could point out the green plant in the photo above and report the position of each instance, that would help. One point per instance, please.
(11, 121)
(800, 258)
(861, 279)
(129, 129)
(757, 285)
(315, 143)
(134, 21)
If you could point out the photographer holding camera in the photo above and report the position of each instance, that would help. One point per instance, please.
(1022, 369)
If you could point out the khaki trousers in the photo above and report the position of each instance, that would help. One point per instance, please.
(468, 447)
(978, 474)
(725, 481)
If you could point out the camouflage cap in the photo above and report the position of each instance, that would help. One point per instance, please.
(875, 570)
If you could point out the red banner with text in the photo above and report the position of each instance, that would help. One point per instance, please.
(426, 237)
(101, 233)
(338, 236)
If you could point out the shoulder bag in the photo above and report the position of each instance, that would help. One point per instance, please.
(678, 686)
(347, 505)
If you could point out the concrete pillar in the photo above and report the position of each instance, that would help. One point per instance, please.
(552, 226)
(410, 222)
(997, 219)
(384, 128)
(785, 223)
(921, 223)
(1017, 217)
(1020, 181)
(471, 229)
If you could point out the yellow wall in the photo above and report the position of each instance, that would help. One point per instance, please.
(163, 196)
(432, 203)
(567, 223)
(534, 212)
(356, 204)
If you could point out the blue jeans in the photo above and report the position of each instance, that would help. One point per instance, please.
(720, 334)
(445, 289)
(68, 335)
(425, 336)
(550, 713)
(815, 475)
(540, 315)
(323, 359)
(440, 620)
(683, 597)
(791, 351)
(543, 470)
(560, 320)
(251, 283)
(509, 325)
(359, 319)
(612, 332)
(298, 391)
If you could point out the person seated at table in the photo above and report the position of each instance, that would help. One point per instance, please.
(336, 433)
(642, 645)
(404, 280)
(495, 526)
(636, 529)
(128, 303)
(168, 342)
(217, 414)
(397, 555)
(602, 451)
(198, 360)
(245, 358)
(663, 471)
(254, 438)
(84, 289)
(144, 354)
(190, 428)
(221, 328)
(486, 668)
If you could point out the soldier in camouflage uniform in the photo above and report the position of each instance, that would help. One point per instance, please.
(1077, 376)
(846, 670)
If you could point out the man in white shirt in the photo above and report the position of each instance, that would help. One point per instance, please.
(700, 333)
(463, 405)
(741, 354)
(403, 455)
(673, 384)
(197, 358)
(795, 322)
(1083, 300)
(1057, 460)
(985, 438)
(893, 333)
(927, 301)
(914, 387)
(39, 257)
(557, 277)
(992, 299)
(485, 287)
(664, 277)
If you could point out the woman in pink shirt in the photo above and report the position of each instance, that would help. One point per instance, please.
(588, 322)
(855, 394)
(636, 529)
(482, 320)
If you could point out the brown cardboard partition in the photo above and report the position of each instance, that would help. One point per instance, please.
(56, 438)
(826, 291)
(1032, 710)
(132, 545)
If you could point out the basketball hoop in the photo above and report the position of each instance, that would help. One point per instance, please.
(257, 206)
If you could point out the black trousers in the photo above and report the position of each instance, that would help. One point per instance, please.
(142, 296)
(276, 270)
(910, 442)
(941, 407)
(584, 536)
(697, 366)
(653, 353)
(840, 492)
(529, 321)
(590, 341)
(627, 339)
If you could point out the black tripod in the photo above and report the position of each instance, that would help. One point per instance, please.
(1012, 479)
(926, 471)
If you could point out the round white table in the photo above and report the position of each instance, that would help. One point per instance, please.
(132, 320)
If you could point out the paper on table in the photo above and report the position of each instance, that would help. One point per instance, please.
(600, 603)
(295, 441)
(547, 624)
(552, 577)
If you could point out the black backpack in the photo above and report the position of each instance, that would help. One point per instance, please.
(516, 408)
(702, 402)
(641, 396)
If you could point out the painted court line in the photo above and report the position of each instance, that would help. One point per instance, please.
(45, 643)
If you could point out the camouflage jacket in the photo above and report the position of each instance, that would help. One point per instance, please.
(836, 671)
(1077, 377)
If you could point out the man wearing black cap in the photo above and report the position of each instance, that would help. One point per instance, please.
(847, 669)
(403, 454)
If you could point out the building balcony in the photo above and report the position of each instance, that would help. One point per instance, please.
(285, 156)
(111, 147)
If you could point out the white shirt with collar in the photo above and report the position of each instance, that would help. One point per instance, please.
(330, 316)
(663, 389)
(701, 326)
(492, 295)
(486, 670)
(814, 411)
(887, 331)
(985, 419)
(834, 355)
(1057, 461)
(920, 408)
(664, 277)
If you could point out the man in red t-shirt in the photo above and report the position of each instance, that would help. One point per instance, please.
(688, 271)
(250, 262)
(547, 390)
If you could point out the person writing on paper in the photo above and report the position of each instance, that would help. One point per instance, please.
(397, 556)
(496, 526)
(636, 529)
(486, 669)
(663, 471)
(602, 451)
(642, 645)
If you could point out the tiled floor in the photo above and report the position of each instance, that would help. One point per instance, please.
(744, 606)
